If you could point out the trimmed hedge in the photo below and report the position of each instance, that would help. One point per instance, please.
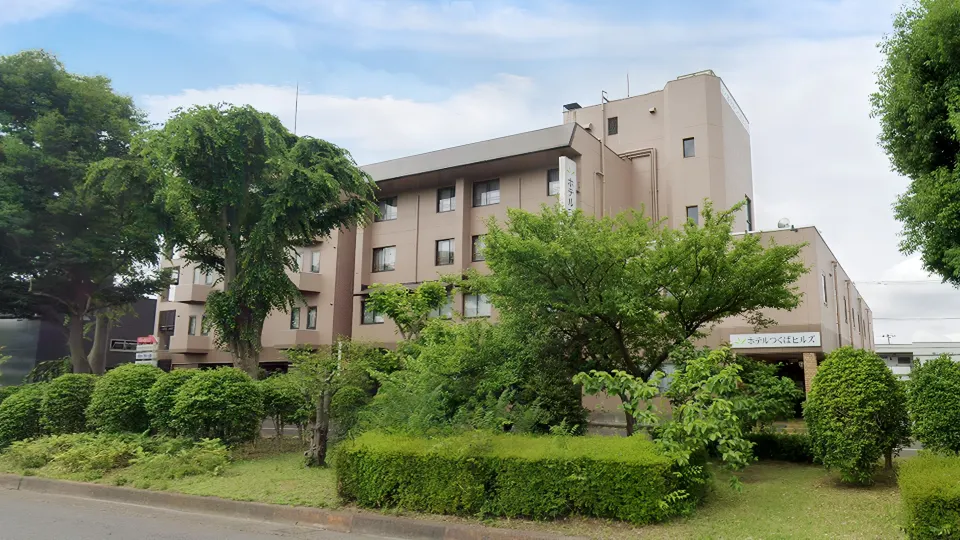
(65, 403)
(162, 397)
(20, 414)
(930, 492)
(792, 447)
(514, 476)
(222, 403)
(119, 399)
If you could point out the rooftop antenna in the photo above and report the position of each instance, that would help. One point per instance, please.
(296, 108)
(889, 336)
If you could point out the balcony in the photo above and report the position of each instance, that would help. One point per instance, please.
(308, 281)
(287, 339)
(190, 344)
(190, 293)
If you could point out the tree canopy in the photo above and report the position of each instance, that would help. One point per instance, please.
(918, 104)
(242, 192)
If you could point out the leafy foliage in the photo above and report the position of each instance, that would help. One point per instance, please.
(242, 192)
(283, 400)
(934, 398)
(513, 476)
(918, 103)
(222, 403)
(7, 391)
(930, 490)
(856, 411)
(48, 370)
(65, 402)
(119, 399)
(408, 308)
(161, 399)
(206, 457)
(20, 414)
(625, 292)
(793, 447)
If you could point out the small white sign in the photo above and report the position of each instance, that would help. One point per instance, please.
(146, 363)
(147, 347)
(775, 340)
(568, 183)
(150, 355)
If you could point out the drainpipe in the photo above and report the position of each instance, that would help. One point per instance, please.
(853, 318)
(603, 154)
(836, 297)
(416, 246)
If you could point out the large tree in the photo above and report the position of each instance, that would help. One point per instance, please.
(76, 243)
(625, 292)
(242, 192)
(918, 104)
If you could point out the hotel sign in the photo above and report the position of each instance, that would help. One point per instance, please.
(763, 341)
(568, 183)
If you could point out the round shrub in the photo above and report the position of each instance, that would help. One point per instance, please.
(7, 391)
(161, 399)
(20, 415)
(65, 403)
(119, 399)
(282, 399)
(223, 403)
(856, 412)
(934, 399)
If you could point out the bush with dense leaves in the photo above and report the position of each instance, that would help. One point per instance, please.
(934, 396)
(856, 412)
(119, 399)
(65, 402)
(283, 400)
(930, 491)
(793, 447)
(514, 476)
(20, 414)
(7, 391)
(162, 396)
(223, 403)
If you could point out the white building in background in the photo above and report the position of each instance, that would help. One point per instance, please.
(900, 356)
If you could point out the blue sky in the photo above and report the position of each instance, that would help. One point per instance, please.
(386, 78)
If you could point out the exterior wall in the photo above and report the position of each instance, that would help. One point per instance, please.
(900, 357)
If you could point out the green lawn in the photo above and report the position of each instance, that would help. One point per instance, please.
(779, 500)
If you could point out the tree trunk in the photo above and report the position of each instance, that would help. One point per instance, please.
(98, 352)
(320, 430)
(78, 357)
(277, 427)
(888, 459)
(630, 423)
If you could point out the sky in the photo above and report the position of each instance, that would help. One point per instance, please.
(388, 78)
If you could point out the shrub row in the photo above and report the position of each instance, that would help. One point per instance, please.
(514, 476)
(792, 447)
(930, 491)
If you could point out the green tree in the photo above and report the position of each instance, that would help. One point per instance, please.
(282, 400)
(623, 292)
(409, 308)
(856, 411)
(74, 243)
(934, 398)
(223, 403)
(242, 193)
(918, 103)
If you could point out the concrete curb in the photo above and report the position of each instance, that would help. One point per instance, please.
(347, 522)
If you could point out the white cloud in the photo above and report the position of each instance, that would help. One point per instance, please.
(17, 11)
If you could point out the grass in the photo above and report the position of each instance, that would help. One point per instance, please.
(779, 500)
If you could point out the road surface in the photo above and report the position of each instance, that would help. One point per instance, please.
(33, 516)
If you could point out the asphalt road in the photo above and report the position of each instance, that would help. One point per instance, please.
(33, 516)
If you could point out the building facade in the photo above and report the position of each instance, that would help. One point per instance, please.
(664, 153)
(900, 357)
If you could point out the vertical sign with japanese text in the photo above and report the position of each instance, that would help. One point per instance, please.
(568, 183)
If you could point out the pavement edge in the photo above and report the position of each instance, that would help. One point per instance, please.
(346, 522)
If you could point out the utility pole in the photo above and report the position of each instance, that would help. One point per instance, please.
(889, 336)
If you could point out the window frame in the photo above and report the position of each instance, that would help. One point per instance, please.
(382, 214)
(129, 345)
(696, 214)
(553, 182)
(693, 147)
(375, 318)
(192, 325)
(312, 310)
(315, 261)
(478, 197)
(298, 257)
(198, 276)
(477, 254)
(613, 125)
(823, 288)
(451, 200)
(445, 311)
(451, 250)
(384, 268)
(476, 313)
(295, 317)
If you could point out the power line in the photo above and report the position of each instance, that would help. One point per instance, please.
(898, 281)
(916, 318)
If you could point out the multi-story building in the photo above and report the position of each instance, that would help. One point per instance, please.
(900, 357)
(663, 152)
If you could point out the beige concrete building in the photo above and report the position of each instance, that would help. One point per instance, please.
(664, 152)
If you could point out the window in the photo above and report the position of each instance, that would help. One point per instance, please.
(553, 182)
(904, 360)
(476, 305)
(749, 214)
(689, 148)
(298, 257)
(823, 288)
(613, 125)
(192, 325)
(384, 259)
(197, 276)
(168, 321)
(370, 316)
(845, 319)
(204, 327)
(478, 245)
(447, 199)
(445, 311)
(295, 318)
(693, 214)
(175, 275)
(388, 209)
(486, 193)
(315, 261)
(122, 345)
(312, 318)
(444, 252)
(209, 278)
